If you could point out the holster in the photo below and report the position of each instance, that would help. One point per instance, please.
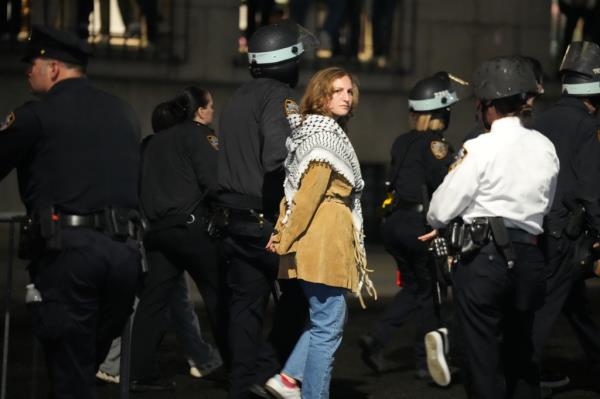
(217, 222)
(121, 223)
(50, 228)
(455, 233)
(584, 254)
(502, 240)
(388, 206)
(575, 223)
(465, 239)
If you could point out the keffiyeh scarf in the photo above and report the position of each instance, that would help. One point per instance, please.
(319, 138)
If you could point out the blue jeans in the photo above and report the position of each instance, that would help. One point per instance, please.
(312, 358)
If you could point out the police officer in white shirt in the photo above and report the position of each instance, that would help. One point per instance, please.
(501, 186)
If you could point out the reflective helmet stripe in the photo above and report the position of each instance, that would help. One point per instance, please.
(431, 104)
(580, 89)
(272, 57)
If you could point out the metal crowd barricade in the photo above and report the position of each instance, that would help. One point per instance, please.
(12, 218)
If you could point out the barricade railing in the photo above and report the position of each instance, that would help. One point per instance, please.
(12, 218)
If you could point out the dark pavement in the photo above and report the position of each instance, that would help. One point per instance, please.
(351, 378)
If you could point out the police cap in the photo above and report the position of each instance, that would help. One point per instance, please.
(580, 69)
(47, 42)
(432, 93)
(502, 77)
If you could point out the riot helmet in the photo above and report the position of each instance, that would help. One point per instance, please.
(505, 83)
(434, 96)
(580, 70)
(274, 51)
(503, 77)
(432, 93)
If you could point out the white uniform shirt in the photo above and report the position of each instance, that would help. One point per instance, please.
(509, 172)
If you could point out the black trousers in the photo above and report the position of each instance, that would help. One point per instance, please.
(170, 252)
(87, 291)
(566, 292)
(251, 274)
(495, 307)
(416, 298)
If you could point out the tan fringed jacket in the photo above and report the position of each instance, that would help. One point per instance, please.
(317, 240)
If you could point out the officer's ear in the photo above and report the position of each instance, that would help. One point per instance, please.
(54, 70)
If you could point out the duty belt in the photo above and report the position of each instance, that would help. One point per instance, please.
(408, 205)
(95, 221)
(522, 237)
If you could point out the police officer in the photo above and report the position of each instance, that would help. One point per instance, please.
(253, 131)
(80, 195)
(420, 160)
(531, 97)
(178, 184)
(572, 127)
(501, 186)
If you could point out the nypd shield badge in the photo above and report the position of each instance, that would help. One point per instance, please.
(439, 149)
(213, 141)
(291, 107)
(10, 119)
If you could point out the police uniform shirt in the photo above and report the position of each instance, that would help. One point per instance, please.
(252, 133)
(178, 170)
(576, 136)
(76, 149)
(419, 159)
(510, 172)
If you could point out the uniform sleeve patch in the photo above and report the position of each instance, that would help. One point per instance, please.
(291, 107)
(439, 149)
(213, 141)
(460, 155)
(10, 119)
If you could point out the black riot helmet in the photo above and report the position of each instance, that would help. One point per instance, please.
(503, 77)
(274, 51)
(434, 95)
(430, 94)
(580, 70)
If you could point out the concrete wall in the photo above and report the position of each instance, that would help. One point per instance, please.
(452, 35)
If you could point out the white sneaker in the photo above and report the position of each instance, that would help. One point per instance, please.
(113, 379)
(277, 388)
(436, 356)
(208, 367)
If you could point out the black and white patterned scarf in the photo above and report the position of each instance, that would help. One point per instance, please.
(319, 138)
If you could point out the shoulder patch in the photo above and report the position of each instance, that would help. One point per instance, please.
(213, 141)
(460, 155)
(291, 107)
(439, 149)
(10, 119)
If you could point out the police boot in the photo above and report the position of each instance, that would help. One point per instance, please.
(372, 354)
